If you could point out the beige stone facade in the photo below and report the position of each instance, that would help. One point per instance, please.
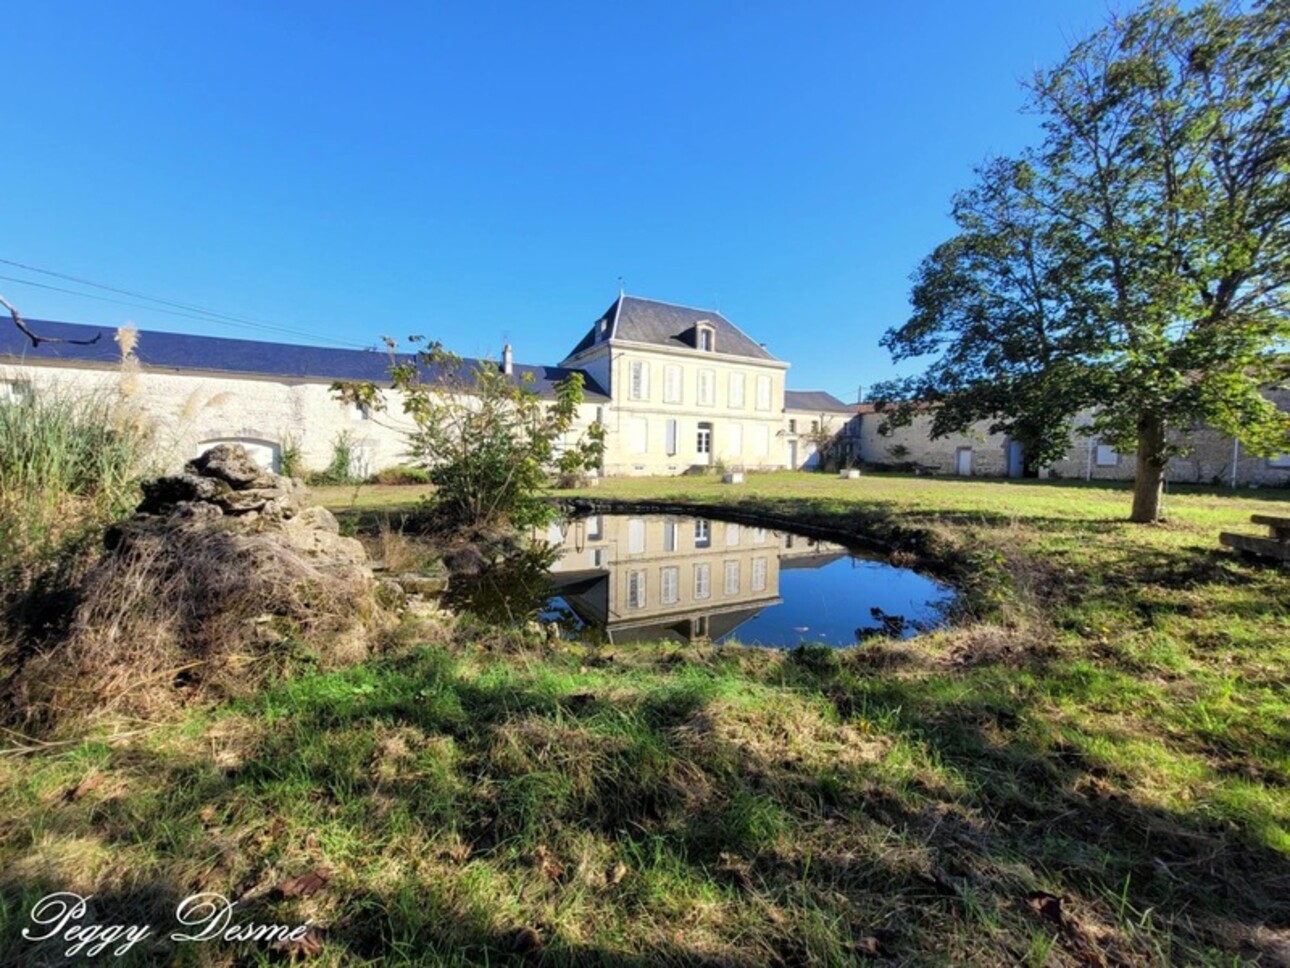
(688, 391)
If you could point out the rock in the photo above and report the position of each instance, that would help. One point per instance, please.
(225, 488)
(315, 518)
(232, 464)
(165, 492)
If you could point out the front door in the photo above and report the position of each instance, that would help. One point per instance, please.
(703, 445)
(792, 455)
(963, 462)
(1016, 459)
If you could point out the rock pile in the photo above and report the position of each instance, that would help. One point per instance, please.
(225, 488)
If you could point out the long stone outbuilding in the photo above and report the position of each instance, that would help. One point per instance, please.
(676, 388)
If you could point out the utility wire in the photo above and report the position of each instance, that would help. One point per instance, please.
(178, 308)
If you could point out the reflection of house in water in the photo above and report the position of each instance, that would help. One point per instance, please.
(649, 578)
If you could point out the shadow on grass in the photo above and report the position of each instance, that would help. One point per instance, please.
(809, 857)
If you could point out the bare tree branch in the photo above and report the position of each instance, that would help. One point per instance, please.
(37, 340)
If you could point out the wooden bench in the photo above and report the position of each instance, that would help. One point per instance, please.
(1277, 545)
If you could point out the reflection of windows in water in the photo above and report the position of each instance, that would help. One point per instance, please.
(702, 581)
(788, 541)
(671, 531)
(636, 589)
(732, 578)
(595, 528)
(759, 574)
(732, 534)
(759, 535)
(635, 536)
(702, 533)
(670, 585)
(598, 558)
(701, 627)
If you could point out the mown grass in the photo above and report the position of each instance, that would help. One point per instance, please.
(1108, 724)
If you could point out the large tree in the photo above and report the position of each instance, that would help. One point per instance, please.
(1135, 263)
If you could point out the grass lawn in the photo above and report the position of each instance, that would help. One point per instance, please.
(1091, 767)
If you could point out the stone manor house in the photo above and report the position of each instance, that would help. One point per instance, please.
(676, 388)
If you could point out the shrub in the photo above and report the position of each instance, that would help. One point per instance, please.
(402, 475)
(490, 442)
(343, 468)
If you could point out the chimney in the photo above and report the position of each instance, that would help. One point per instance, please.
(508, 364)
(860, 393)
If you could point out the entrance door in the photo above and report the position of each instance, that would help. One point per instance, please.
(1016, 459)
(703, 445)
(792, 455)
(963, 462)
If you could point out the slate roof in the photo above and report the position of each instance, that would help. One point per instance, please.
(216, 354)
(816, 400)
(667, 324)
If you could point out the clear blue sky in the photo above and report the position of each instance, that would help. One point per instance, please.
(486, 172)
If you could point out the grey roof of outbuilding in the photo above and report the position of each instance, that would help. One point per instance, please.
(667, 324)
(816, 400)
(180, 351)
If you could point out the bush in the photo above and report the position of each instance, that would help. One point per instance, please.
(490, 442)
(402, 475)
(343, 468)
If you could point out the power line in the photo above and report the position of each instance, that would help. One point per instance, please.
(179, 309)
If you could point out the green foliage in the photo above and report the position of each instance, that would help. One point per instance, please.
(402, 475)
(69, 462)
(1136, 262)
(289, 457)
(488, 441)
(342, 468)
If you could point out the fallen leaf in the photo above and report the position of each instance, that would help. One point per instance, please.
(308, 945)
(305, 885)
(549, 865)
(91, 782)
(869, 947)
(616, 873)
(206, 814)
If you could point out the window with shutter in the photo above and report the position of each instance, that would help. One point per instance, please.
(707, 379)
(670, 585)
(736, 391)
(671, 384)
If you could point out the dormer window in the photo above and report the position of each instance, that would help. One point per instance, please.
(603, 330)
(705, 337)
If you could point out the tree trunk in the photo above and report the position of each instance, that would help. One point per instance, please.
(1149, 481)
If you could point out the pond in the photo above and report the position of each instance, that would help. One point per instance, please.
(646, 578)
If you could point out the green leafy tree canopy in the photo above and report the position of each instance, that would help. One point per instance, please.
(1135, 263)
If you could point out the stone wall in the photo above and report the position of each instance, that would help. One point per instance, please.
(192, 411)
(989, 455)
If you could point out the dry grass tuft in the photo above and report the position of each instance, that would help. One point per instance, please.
(192, 613)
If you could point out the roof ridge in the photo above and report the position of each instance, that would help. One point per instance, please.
(677, 305)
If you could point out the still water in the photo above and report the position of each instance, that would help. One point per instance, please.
(625, 578)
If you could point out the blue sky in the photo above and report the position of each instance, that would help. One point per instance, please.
(482, 173)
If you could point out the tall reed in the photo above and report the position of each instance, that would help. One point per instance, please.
(70, 460)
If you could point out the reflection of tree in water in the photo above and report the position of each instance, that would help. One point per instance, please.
(889, 626)
(513, 591)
